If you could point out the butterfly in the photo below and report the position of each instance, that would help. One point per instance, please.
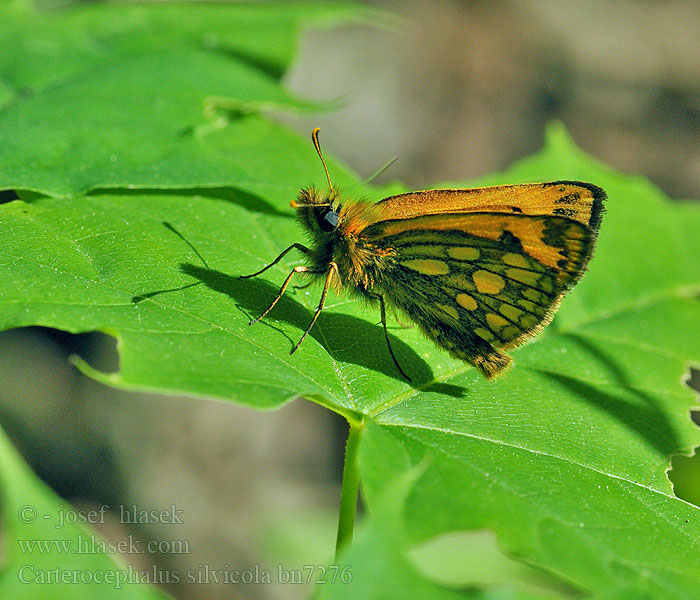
(480, 270)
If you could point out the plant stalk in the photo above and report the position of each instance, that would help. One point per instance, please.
(349, 490)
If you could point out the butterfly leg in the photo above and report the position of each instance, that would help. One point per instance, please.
(300, 269)
(382, 312)
(301, 247)
(332, 268)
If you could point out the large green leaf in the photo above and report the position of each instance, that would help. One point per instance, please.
(564, 457)
(45, 555)
(136, 95)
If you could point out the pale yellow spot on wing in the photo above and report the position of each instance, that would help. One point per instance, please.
(527, 305)
(535, 296)
(427, 266)
(421, 250)
(526, 277)
(450, 310)
(484, 334)
(495, 321)
(546, 284)
(515, 260)
(510, 312)
(575, 232)
(488, 283)
(466, 301)
(529, 321)
(463, 252)
(509, 333)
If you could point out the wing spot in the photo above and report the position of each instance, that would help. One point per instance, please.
(534, 296)
(572, 198)
(527, 305)
(466, 301)
(529, 321)
(526, 277)
(484, 334)
(575, 232)
(450, 310)
(515, 260)
(463, 252)
(427, 266)
(495, 321)
(510, 312)
(488, 283)
(509, 333)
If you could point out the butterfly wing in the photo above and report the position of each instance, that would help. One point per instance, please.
(574, 200)
(478, 276)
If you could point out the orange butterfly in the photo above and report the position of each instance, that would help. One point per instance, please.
(479, 270)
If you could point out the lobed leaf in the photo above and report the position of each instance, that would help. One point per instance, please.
(137, 95)
(564, 458)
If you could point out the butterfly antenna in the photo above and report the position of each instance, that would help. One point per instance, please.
(379, 171)
(314, 138)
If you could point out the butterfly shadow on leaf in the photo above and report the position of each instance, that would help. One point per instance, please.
(244, 199)
(647, 418)
(346, 338)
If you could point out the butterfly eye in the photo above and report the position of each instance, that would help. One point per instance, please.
(329, 221)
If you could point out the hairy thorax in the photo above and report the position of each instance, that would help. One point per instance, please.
(360, 261)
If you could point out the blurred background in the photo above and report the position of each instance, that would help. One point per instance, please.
(457, 90)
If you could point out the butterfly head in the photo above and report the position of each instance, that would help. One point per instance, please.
(319, 214)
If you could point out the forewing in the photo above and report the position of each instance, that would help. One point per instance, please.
(575, 200)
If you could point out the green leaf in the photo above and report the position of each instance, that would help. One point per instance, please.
(563, 458)
(136, 96)
(42, 550)
(383, 564)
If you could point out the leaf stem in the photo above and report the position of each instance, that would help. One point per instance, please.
(350, 487)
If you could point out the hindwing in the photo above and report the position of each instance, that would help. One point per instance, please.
(481, 282)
